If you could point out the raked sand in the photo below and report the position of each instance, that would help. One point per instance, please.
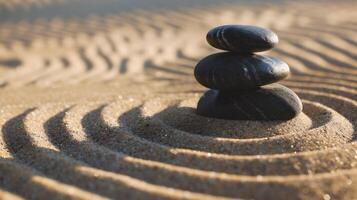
(103, 106)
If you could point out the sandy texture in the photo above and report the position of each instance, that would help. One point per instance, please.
(102, 106)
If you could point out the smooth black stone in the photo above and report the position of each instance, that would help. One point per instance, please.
(271, 102)
(234, 71)
(242, 38)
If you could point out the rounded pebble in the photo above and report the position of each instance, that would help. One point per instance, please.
(233, 71)
(242, 38)
(271, 102)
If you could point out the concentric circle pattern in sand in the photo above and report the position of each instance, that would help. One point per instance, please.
(103, 106)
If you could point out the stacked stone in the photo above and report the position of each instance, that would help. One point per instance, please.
(242, 84)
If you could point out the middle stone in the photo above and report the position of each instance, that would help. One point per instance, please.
(233, 71)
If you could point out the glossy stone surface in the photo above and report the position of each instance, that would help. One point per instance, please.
(234, 71)
(271, 102)
(242, 38)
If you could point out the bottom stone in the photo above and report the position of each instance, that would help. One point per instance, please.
(270, 102)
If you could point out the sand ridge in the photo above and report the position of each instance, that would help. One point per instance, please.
(103, 108)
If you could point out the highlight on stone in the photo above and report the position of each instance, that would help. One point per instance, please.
(239, 79)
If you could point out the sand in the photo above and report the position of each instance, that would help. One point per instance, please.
(103, 106)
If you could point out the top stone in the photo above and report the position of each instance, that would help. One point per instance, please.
(242, 38)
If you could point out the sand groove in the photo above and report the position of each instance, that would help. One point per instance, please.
(102, 106)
